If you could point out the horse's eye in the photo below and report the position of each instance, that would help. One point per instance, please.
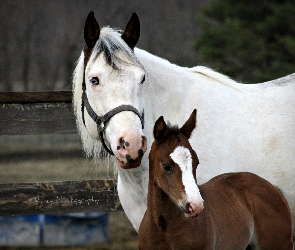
(167, 168)
(143, 79)
(94, 80)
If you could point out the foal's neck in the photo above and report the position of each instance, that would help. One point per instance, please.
(161, 208)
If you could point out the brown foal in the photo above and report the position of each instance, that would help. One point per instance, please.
(231, 211)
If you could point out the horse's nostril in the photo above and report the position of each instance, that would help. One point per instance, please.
(189, 208)
(143, 141)
(121, 143)
(132, 145)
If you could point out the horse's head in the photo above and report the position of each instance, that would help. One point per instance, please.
(111, 107)
(173, 163)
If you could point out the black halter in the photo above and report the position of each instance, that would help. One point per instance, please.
(102, 120)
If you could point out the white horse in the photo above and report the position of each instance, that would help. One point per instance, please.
(119, 88)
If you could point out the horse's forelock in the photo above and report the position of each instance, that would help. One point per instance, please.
(109, 43)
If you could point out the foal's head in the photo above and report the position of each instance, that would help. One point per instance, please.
(174, 163)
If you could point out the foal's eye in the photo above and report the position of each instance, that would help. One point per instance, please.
(167, 168)
(94, 81)
(143, 79)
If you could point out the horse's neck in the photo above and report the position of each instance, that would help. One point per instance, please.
(175, 91)
(135, 178)
(160, 207)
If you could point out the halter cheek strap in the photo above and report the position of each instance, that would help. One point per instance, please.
(102, 120)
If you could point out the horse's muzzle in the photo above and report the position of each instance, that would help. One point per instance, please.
(192, 210)
(131, 163)
(130, 150)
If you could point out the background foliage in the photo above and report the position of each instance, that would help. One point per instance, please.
(252, 41)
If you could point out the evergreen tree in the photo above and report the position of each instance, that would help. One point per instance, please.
(251, 41)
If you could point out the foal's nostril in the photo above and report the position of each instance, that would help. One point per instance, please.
(188, 208)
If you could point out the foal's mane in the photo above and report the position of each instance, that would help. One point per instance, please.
(172, 129)
(171, 132)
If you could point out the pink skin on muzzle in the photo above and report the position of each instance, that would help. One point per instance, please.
(130, 150)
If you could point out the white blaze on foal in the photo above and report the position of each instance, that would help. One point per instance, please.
(193, 199)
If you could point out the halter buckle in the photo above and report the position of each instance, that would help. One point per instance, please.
(101, 127)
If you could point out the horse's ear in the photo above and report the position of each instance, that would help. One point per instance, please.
(132, 31)
(189, 125)
(160, 129)
(91, 31)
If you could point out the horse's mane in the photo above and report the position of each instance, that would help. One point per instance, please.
(110, 44)
(210, 73)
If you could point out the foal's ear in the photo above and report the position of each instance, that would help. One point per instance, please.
(189, 125)
(91, 31)
(132, 31)
(160, 129)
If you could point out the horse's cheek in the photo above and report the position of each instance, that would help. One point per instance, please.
(91, 127)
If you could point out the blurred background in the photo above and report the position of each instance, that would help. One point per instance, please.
(251, 41)
(41, 40)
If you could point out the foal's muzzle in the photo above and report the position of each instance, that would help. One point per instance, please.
(192, 210)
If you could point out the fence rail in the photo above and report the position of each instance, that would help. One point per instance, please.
(29, 113)
(36, 113)
(58, 197)
(36, 97)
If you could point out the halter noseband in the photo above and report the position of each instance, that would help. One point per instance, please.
(102, 120)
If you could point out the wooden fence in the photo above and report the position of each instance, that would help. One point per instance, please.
(31, 113)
